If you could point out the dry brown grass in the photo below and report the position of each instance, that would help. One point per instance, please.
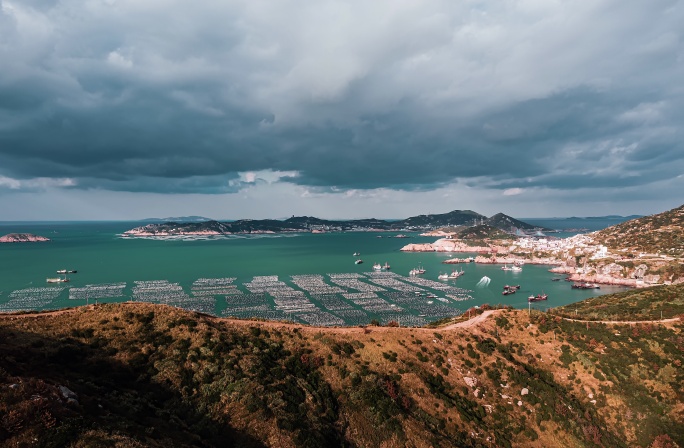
(380, 356)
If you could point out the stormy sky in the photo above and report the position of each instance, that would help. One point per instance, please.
(127, 109)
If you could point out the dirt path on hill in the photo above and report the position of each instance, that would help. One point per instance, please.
(627, 322)
(34, 315)
(470, 322)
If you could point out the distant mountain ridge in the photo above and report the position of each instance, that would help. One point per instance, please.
(310, 223)
(505, 222)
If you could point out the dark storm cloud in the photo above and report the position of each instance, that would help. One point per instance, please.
(173, 97)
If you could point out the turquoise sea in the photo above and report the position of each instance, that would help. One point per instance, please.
(317, 280)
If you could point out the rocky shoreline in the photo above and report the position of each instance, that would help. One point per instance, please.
(601, 279)
(450, 245)
(22, 238)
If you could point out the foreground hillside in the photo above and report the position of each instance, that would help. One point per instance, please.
(134, 375)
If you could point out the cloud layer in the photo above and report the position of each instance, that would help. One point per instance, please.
(173, 96)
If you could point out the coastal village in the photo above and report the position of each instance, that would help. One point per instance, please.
(585, 258)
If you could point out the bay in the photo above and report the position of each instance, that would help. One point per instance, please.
(101, 256)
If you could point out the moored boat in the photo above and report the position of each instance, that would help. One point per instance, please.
(377, 267)
(585, 285)
(537, 298)
(443, 277)
(510, 289)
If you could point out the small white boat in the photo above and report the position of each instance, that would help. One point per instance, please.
(377, 267)
(57, 279)
(359, 261)
(506, 268)
(387, 267)
(443, 277)
(413, 272)
(516, 268)
(356, 254)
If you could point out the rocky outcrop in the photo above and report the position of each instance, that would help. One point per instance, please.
(22, 238)
(447, 245)
(605, 280)
(142, 232)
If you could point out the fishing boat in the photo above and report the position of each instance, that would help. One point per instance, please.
(443, 277)
(506, 268)
(516, 268)
(417, 271)
(537, 298)
(377, 267)
(359, 261)
(456, 274)
(387, 267)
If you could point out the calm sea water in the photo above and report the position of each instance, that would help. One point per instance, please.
(101, 256)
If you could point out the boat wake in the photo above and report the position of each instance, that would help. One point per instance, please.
(484, 281)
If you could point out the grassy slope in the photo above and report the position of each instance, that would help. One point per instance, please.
(154, 376)
(632, 305)
(663, 232)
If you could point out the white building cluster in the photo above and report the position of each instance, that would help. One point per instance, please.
(563, 247)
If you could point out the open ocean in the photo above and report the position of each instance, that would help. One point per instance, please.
(317, 281)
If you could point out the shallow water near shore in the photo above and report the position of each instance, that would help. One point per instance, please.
(119, 269)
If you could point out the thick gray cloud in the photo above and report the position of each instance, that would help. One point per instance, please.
(180, 97)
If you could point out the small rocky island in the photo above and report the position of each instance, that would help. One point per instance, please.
(22, 238)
